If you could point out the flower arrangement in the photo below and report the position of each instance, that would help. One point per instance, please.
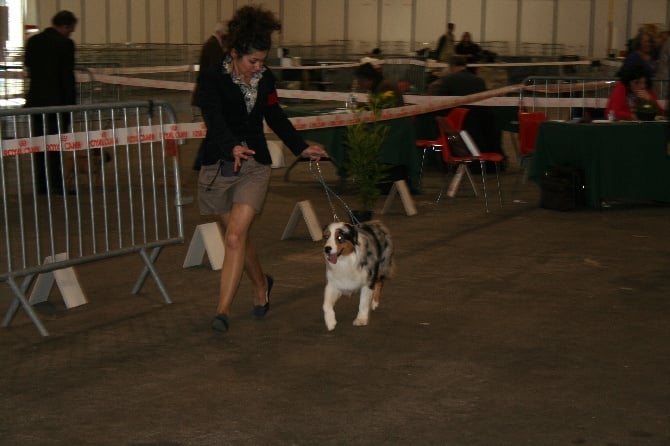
(646, 110)
(365, 139)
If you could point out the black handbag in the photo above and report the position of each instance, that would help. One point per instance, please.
(562, 188)
(457, 146)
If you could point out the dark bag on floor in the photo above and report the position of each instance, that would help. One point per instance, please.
(562, 188)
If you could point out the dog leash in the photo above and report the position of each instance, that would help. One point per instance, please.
(315, 170)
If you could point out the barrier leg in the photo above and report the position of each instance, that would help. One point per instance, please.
(16, 302)
(21, 298)
(149, 268)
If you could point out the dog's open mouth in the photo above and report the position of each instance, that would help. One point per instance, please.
(332, 257)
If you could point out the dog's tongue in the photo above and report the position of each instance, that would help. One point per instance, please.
(332, 258)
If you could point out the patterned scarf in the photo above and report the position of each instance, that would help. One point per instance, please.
(250, 90)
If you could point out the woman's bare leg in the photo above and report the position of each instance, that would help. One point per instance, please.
(240, 255)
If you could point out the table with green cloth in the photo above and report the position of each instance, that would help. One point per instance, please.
(399, 148)
(620, 160)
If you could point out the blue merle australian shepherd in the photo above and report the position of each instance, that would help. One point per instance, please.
(358, 258)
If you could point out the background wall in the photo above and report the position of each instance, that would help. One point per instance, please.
(396, 25)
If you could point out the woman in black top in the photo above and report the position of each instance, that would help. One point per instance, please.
(235, 97)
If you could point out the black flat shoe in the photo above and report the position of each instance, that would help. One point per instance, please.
(220, 323)
(261, 310)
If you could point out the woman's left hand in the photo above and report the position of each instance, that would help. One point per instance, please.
(314, 153)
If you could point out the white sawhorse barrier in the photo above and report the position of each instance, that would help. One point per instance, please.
(304, 209)
(206, 239)
(65, 279)
(400, 188)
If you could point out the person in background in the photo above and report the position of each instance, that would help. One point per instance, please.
(375, 58)
(643, 52)
(235, 97)
(480, 122)
(633, 89)
(662, 78)
(468, 49)
(457, 80)
(372, 80)
(211, 54)
(445, 45)
(49, 61)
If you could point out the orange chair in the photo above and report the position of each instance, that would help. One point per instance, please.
(455, 119)
(455, 162)
(529, 123)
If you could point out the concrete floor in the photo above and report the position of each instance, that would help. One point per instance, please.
(521, 327)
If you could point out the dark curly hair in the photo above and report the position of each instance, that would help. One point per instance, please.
(251, 29)
(634, 72)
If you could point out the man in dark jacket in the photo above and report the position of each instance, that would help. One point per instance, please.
(480, 121)
(212, 53)
(49, 61)
(458, 81)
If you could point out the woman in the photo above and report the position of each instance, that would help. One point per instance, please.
(467, 48)
(632, 91)
(372, 80)
(643, 53)
(235, 97)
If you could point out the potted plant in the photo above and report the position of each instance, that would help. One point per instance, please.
(364, 167)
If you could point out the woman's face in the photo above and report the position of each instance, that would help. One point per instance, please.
(638, 84)
(645, 43)
(248, 64)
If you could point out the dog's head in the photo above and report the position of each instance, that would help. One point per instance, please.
(340, 240)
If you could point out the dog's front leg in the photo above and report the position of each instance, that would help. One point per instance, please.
(364, 307)
(330, 296)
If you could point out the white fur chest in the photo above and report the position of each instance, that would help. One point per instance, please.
(346, 274)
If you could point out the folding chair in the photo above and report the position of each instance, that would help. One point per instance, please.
(452, 162)
(455, 119)
(529, 123)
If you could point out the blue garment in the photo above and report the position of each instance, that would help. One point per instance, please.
(635, 58)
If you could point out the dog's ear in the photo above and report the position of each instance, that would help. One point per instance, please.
(352, 233)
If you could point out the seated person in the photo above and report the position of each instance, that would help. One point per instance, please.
(371, 79)
(632, 91)
(457, 81)
(480, 122)
(469, 49)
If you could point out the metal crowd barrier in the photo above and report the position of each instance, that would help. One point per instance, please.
(566, 97)
(120, 191)
(575, 97)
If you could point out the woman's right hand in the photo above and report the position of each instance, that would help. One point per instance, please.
(315, 153)
(241, 153)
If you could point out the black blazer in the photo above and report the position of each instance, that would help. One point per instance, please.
(228, 123)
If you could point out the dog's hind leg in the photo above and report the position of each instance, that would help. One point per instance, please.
(364, 307)
(330, 297)
(377, 294)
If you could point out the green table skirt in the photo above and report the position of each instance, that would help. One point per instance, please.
(622, 160)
